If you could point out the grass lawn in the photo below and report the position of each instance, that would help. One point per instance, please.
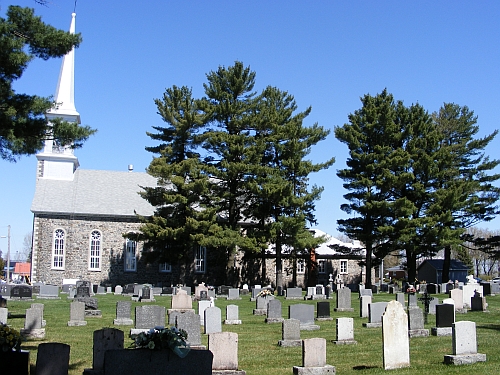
(259, 353)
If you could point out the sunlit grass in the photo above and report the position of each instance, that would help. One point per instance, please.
(258, 349)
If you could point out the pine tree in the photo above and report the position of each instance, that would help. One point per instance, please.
(23, 126)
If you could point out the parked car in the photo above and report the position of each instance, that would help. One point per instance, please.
(496, 280)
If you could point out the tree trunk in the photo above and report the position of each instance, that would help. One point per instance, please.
(411, 260)
(263, 274)
(445, 276)
(368, 266)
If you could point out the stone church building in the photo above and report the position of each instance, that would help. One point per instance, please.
(81, 217)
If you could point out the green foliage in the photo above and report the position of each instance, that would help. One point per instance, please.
(23, 126)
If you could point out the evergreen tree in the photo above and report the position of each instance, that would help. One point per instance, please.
(465, 195)
(181, 219)
(23, 126)
(283, 203)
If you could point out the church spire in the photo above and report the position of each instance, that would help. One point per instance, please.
(65, 92)
(56, 161)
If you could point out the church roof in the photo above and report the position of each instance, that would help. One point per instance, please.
(94, 192)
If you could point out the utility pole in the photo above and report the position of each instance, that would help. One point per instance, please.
(8, 254)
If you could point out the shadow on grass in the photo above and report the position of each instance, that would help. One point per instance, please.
(495, 327)
(363, 367)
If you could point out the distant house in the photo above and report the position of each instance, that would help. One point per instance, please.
(396, 272)
(431, 271)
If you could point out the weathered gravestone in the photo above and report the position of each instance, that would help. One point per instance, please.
(33, 324)
(232, 315)
(375, 312)
(305, 314)
(416, 323)
(101, 289)
(290, 333)
(412, 300)
(199, 289)
(274, 314)
(41, 307)
(52, 359)
(233, 294)
(457, 296)
(147, 317)
(4, 314)
(464, 345)
(294, 293)
(77, 314)
(135, 362)
(345, 331)
(364, 302)
(478, 303)
(314, 358)
(189, 322)
(261, 304)
(123, 313)
(344, 300)
(396, 343)
(104, 339)
(213, 320)
(445, 317)
(146, 295)
(49, 292)
(400, 297)
(224, 346)
(323, 311)
(181, 301)
(118, 290)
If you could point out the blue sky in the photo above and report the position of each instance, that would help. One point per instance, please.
(326, 53)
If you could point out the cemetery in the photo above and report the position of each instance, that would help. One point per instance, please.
(310, 336)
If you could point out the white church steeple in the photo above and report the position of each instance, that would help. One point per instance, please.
(56, 162)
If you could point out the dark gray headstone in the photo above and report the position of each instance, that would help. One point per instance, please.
(146, 292)
(123, 309)
(21, 291)
(302, 312)
(432, 288)
(149, 316)
(375, 311)
(189, 322)
(52, 359)
(445, 315)
(274, 314)
(129, 289)
(323, 310)
(170, 290)
(82, 291)
(415, 318)
(343, 299)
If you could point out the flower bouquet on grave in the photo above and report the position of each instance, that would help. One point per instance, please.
(10, 339)
(411, 289)
(264, 293)
(159, 338)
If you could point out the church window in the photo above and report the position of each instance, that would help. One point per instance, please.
(130, 256)
(95, 251)
(58, 247)
(200, 260)
(343, 266)
(165, 267)
(321, 266)
(301, 266)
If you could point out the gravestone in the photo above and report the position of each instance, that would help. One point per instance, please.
(189, 322)
(77, 314)
(305, 314)
(82, 291)
(375, 312)
(432, 305)
(345, 331)
(464, 345)
(314, 358)
(118, 290)
(101, 289)
(274, 314)
(33, 324)
(432, 288)
(129, 289)
(323, 311)
(168, 290)
(126, 361)
(290, 333)
(138, 289)
(49, 292)
(52, 359)
(400, 297)
(202, 306)
(187, 289)
(39, 306)
(233, 294)
(147, 317)
(232, 315)
(445, 317)
(198, 289)
(213, 320)
(365, 292)
(123, 314)
(396, 343)
(255, 293)
(486, 288)
(104, 339)
(21, 292)
(416, 323)
(146, 294)
(181, 301)
(261, 304)
(469, 292)
(344, 300)
(294, 293)
(364, 302)
(478, 303)
(412, 300)
(204, 295)
(224, 346)
(4, 314)
(457, 295)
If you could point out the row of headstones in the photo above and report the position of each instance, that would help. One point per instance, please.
(109, 358)
(34, 324)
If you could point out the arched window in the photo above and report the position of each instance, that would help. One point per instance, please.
(95, 251)
(58, 247)
(130, 256)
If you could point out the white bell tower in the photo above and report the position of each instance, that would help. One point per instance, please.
(55, 161)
